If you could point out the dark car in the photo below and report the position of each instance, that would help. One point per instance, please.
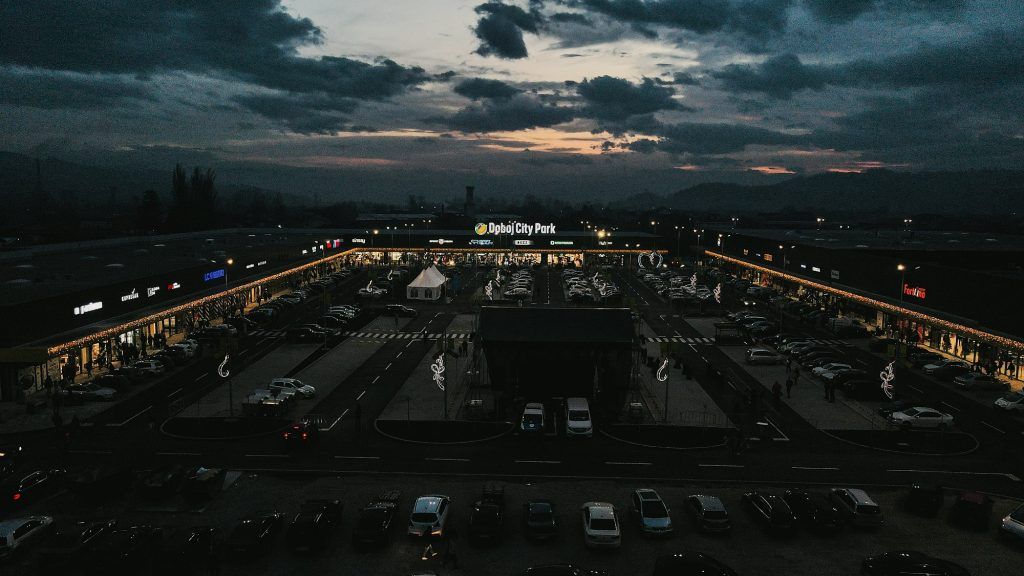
(690, 564)
(373, 524)
(302, 432)
(242, 324)
(924, 500)
(177, 354)
(134, 375)
(487, 518)
(771, 512)
(23, 490)
(908, 563)
(187, 550)
(921, 358)
(950, 371)
(814, 512)
(254, 535)
(118, 382)
(847, 375)
(539, 520)
(329, 321)
(400, 310)
(560, 570)
(164, 358)
(66, 548)
(310, 528)
(100, 481)
(10, 456)
(161, 482)
(708, 514)
(202, 483)
(125, 551)
(971, 511)
(800, 353)
(863, 389)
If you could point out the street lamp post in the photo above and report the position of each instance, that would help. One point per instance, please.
(903, 272)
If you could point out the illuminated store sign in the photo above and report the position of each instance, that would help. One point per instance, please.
(133, 295)
(768, 257)
(91, 306)
(173, 286)
(815, 269)
(561, 242)
(250, 266)
(604, 242)
(359, 240)
(151, 291)
(481, 242)
(219, 273)
(915, 291)
(835, 274)
(522, 242)
(507, 228)
(441, 241)
(261, 262)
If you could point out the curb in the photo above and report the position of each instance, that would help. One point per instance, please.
(511, 428)
(630, 442)
(242, 437)
(875, 448)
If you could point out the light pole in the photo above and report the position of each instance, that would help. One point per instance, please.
(899, 331)
(820, 220)
(228, 262)
(679, 254)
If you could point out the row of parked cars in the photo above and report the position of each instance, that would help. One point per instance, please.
(674, 284)
(589, 289)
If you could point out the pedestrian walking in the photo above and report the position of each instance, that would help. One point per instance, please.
(789, 365)
(777, 391)
(88, 367)
(831, 388)
(789, 387)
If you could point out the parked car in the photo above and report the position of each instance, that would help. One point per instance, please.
(690, 564)
(400, 310)
(151, 367)
(931, 368)
(294, 385)
(830, 367)
(600, 525)
(770, 512)
(65, 549)
(309, 530)
(202, 483)
(921, 359)
(373, 523)
(814, 512)
(650, 512)
(487, 517)
(161, 482)
(304, 431)
(577, 418)
(25, 490)
(539, 520)
(91, 391)
(920, 417)
(560, 570)
(118, 382)
(708, 514)
(924, 500)
(1011, 401)
(1012, 525)
(130, 550)
(304, 335)
(430, 516)
(950, 371)
(909, 563)
(252, 536)
(764, 356)
(971, 511)
(187, 550)
(979, 381)
(533, 418)
(19, 534)
(857, 507)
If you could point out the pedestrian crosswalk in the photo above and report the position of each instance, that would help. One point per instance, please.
(268, 333)
(375, 335)
(706, 340)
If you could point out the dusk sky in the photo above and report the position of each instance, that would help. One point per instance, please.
(667, 92)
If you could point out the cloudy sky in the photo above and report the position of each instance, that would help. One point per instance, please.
(423, 95)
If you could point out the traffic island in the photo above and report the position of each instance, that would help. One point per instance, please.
(441, 431)
(222, 428)
(667, 436)
(911, 442)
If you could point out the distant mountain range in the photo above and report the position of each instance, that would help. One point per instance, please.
(975, 192)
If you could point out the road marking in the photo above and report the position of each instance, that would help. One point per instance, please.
(360, 397)
(399, 355)
(538, 461)
(814, 468)
(260, 343)
(338, 419)
(388, 366)
(201, 377)
(914, 388)
(266, 455)
(409, 343)
(243, 351)
(375, 380)
(721, 465)
(777, 429)
(178, 454)
(628, 463)
(140, 413)
(448, 459)
(172, 394)
(983, 423)
(950, 406)
(358, 457)
(90, 451)
(1003, 474)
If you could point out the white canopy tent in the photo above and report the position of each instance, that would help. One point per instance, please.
(429, 285)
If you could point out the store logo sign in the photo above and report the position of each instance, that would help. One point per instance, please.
(261, 262)
(835, 274)
(359, 240)
(219, 273)
(173, 286)
(509, 228)
(151, 291)
(604, 242)
(441, 241)
(90, 307)
(133, 295)
(481, 242)
(915, 291)
(561, 242)
(522, 242)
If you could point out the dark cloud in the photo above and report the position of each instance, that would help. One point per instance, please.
(477, 88)
(615, 99)
(517, 113)
(685, 79)
(53, 90)
(755, 17)
(500, 29)
(838, 11)
(705, 138)
(779, 77)
(301, 113)
(546, 158)
(570, 17)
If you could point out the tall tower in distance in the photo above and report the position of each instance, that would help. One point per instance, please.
(469, 210)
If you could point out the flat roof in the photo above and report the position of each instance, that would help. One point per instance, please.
(563, 325)
(938, 240)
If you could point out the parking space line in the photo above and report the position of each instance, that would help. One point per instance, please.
(339, 457)
(538, 461)
(914, 388)
(950, 406)
(628, 463)
(986, 424)
(721, 465)
(814, 468)
(178, 454)
(266, 455)
(360, 397)
(447, 459)
(201, 377)
(399, 355)
(140, 413)
(172, 394)
(333, 424)
(961, 472)
(388, 366)
(375, 380)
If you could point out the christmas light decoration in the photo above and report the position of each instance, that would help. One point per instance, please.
(662, 376)
(887, 377)
(222, 370)
(438, 369)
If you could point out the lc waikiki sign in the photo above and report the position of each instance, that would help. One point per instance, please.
(513, 228)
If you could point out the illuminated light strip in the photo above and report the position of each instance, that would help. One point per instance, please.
(493, 249)
(953, 326)
(121, 328)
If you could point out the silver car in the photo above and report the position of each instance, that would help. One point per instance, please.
(651, 512)
(1013, 524)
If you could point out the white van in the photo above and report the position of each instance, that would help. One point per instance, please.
(577, 418)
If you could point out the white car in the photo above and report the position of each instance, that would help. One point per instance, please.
(600, 525)
(293, 385)
(19, 533)
(929, 368)
(429, 516)
(921, 417)
(1011, 401)
(763, 356)
(830, 367)
(149, 367)
(577, 418)
(374, 293)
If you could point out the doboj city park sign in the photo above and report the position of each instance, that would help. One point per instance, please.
(512, 228)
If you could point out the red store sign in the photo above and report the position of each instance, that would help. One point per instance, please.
(915, 291)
